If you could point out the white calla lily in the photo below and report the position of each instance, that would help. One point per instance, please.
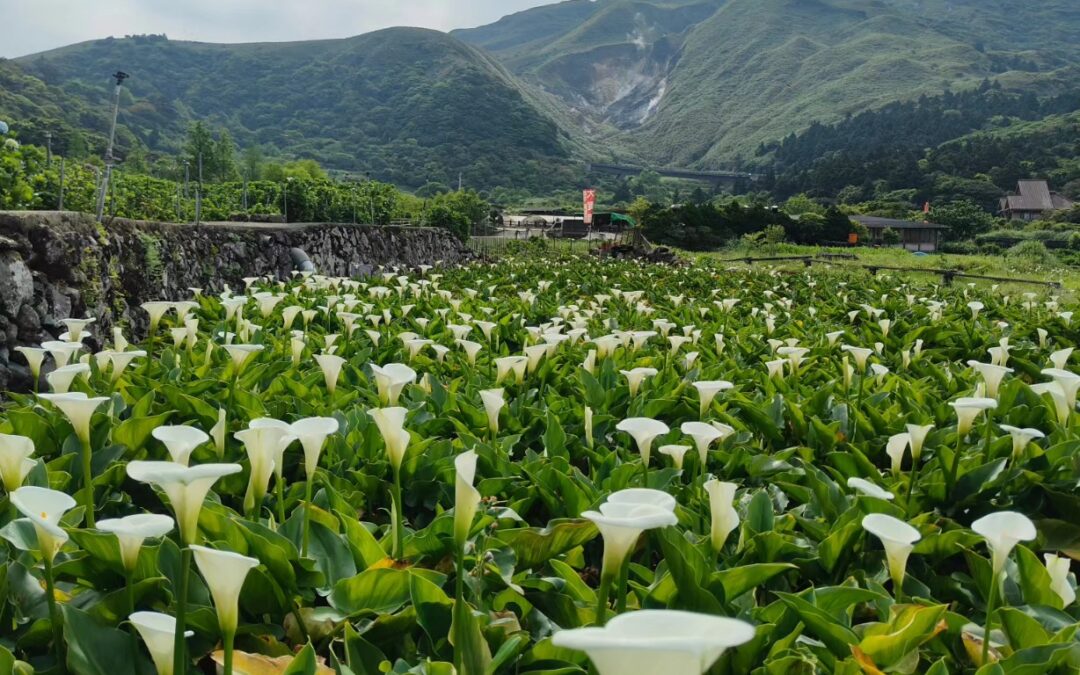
(466, 497)
(655, 641)
(186, 488)
(898, 538)
(158, 633)
(644, 431)
(15, 462)
(725, 519)
(494, 401)
(180, 441)
(224, 573)
(132, 530)
(44, 508)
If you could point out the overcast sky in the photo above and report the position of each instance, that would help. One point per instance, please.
(36, 25)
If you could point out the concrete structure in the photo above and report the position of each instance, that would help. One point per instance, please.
(1031, 200)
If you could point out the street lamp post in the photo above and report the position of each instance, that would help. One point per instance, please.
(120, 76)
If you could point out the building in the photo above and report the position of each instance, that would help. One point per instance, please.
(1031, 200)
(914, 236)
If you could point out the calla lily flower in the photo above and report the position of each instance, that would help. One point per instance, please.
(621, 524)
(185, 486)
(635, 377)
(1069, 383)
(218, 432)
(34, 358)
(677, 453)
(391, 380)
(967, 409)
(224, 573)
(158, 633)
(1002, 532)
(1021, 438)
(78, 408)
(898, 538)
(131, 531)
(45, 508)
(991, 376)
(263, 443)
(725, 519)
(471, 350)
(644, 431)
(918, 435)
(975, 307)
(1058, 569)
(507, 364)
(466, 497)
(391, 424)
(865, 487)
(704, 435)
(707, 392)
(1060, 358)
(156, 310)
(312, 433)
(60, 380)
(62, 351)
(655, 641)
(180, 441)
(1057, 396)
(241, 354)
(331, 366)
(493, 402)
(15, 462)
(860, 354)
(895, 449)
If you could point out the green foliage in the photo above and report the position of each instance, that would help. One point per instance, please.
(964, 219)
(1031, 251)
(460, 212)
(891, 237)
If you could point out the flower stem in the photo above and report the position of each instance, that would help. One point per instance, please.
(990, 607)
(911, 485)
(227, 646)
(54, 613)
(129, 592)
(307, 518)
(399, 536)
(602, 598)
(88, 483)
(179, 645)
(624, 577)
(858, 406)
(459, 598)
(989, 435)
(951, 476)
(279, 491)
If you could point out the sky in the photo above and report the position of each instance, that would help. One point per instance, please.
(36, 25)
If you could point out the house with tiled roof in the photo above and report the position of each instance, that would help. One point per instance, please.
(1031, 199)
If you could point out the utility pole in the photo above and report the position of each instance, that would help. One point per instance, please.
(187, 165)
(48, 148)
(459, 181)
(120, 76)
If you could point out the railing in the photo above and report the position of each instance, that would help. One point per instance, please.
(947, 276)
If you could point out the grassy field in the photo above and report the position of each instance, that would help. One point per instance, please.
(987, 265)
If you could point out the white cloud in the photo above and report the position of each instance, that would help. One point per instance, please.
(37, 25)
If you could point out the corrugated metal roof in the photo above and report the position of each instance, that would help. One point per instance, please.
(1036, 195)
(876, 223)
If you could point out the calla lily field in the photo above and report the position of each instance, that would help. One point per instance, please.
(550, 466)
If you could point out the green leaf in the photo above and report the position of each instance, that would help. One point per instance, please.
(824, 626)
(468, 641)
(94, 649)
(739, 580)
(134, 432)
(373, 591)
(759, 515)
(909, 626)
(303, 663)
(1035, 581)
(535, 546)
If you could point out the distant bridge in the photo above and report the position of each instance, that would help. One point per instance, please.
(718, 178)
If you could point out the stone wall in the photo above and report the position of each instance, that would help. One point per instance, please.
(56, 265)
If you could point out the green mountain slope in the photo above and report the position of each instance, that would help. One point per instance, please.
(406, 105)
(703, 83)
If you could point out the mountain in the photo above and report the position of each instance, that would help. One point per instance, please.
(701, 84)
(410, 106)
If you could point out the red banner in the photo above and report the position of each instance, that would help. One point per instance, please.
(590, 203)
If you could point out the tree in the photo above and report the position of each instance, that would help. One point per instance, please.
(638, 209)
(460, 212)
(964, 219)
(252, 163)
(224, 164)
(199, 148)
(800, 204)
(890, 237)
